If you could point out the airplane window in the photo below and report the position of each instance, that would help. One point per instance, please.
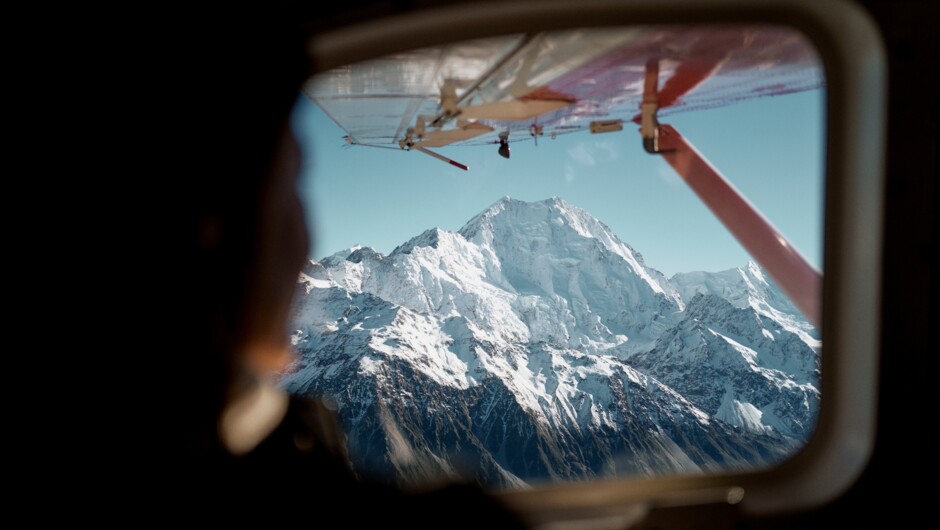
(526, 271)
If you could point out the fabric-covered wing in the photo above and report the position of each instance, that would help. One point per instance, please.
(553, 83)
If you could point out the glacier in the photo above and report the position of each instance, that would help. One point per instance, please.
(533, 345)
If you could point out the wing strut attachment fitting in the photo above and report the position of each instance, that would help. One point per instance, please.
(649, 124)
(408, 141)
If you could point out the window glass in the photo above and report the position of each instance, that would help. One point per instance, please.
(574, 310)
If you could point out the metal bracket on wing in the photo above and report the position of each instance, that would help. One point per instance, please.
(649, 123)
(420, 139)
(782, 261)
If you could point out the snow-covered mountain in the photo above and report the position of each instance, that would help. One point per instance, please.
(533, 344)
(749, 287)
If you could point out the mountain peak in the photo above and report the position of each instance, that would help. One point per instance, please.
(364, 253)
(554, 231)
(340, 256)
(429, 238)
(757, 272)
(546, 212)
(555, 200)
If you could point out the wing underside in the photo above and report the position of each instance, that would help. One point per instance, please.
(555, 83)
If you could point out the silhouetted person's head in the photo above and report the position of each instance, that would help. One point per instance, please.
(236, 237)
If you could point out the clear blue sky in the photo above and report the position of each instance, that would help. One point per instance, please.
(771, 149)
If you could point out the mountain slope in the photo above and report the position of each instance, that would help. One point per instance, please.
(738, 366)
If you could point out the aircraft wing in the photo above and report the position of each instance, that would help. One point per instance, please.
(554, 83)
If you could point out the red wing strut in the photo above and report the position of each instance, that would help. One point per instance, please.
(800, 280)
